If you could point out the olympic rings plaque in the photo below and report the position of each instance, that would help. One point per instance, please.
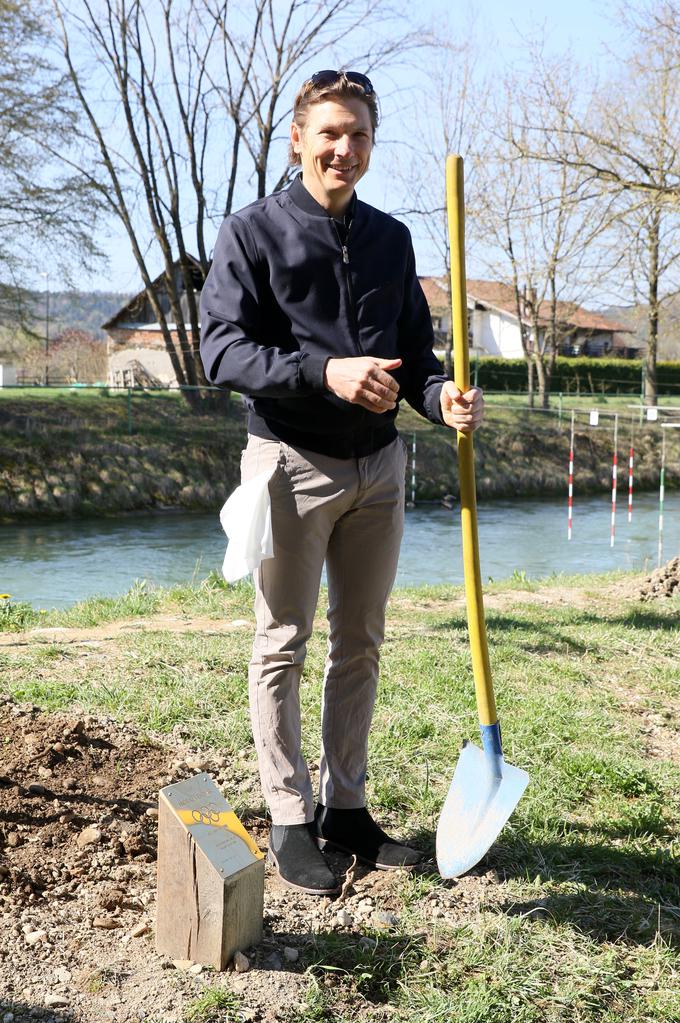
(212, 823)
(210, 876)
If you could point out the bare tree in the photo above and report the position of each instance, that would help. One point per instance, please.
(539, 219)
(454, 95)
(625, 141)
(77, 357)
(649, 233)
(264, 56)
(46, 215)
(142, 156)
(176, 93)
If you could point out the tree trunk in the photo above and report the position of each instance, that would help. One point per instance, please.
(651, 393)
(539, 356)
(209, 401)
(543, 376)
(519, 312)
(530, 381)
(448, 355)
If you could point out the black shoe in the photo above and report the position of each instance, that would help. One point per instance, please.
(298, 862)
(355, 832)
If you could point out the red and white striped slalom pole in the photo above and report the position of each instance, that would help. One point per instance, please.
(570, 503)
(631, 463)
(614, 471)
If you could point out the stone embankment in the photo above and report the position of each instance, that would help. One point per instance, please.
(69, 459)
(123, 477)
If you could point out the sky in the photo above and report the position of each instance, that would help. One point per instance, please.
(588, 27)
(583, 24)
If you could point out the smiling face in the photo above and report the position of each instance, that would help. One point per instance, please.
(334, 146)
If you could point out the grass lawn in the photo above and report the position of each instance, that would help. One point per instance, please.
(581, 919)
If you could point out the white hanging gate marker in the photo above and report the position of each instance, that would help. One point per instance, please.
(570, 503)
(614, 470)
(413, 470)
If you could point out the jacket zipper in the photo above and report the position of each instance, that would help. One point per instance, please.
(348, 285)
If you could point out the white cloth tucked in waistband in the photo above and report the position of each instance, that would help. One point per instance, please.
(247, 520)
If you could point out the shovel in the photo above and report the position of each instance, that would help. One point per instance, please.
(485, 790)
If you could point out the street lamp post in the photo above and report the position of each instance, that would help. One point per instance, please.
(47, 327)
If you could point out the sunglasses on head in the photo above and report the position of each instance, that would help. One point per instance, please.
(324, 78)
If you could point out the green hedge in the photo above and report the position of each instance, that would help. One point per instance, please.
(579, 375)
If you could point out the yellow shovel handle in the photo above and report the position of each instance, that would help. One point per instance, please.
(455, 202)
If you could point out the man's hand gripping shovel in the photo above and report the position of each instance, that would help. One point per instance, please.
(485, 789)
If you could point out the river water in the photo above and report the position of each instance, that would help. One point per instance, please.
(55, 564)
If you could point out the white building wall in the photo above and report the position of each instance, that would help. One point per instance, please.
(483, 340)
(8, 376)
(496, 334)
(509, 336)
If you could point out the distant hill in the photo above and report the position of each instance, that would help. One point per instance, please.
(669, 327)
(83, 310)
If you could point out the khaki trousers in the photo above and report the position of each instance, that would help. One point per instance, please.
(348, 513)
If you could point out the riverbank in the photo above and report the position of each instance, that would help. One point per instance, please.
(572, 914)
(83, 453)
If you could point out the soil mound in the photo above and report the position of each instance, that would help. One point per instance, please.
(61, 775)
(664, 582)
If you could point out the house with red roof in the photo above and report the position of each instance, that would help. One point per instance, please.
(138, 357)
(494, 326)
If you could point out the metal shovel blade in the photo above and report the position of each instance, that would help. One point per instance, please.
(483, 793)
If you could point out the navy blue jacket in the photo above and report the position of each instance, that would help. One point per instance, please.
(289, 288)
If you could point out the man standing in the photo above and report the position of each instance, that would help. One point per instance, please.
(313, 310)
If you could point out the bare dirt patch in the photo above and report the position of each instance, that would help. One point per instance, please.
(547, 596)
(563, 596)
(659, 730)
(112, 630)
(78, 831)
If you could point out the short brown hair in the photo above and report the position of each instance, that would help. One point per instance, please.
(342, 88)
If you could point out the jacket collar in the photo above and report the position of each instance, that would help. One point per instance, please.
(305, 201)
